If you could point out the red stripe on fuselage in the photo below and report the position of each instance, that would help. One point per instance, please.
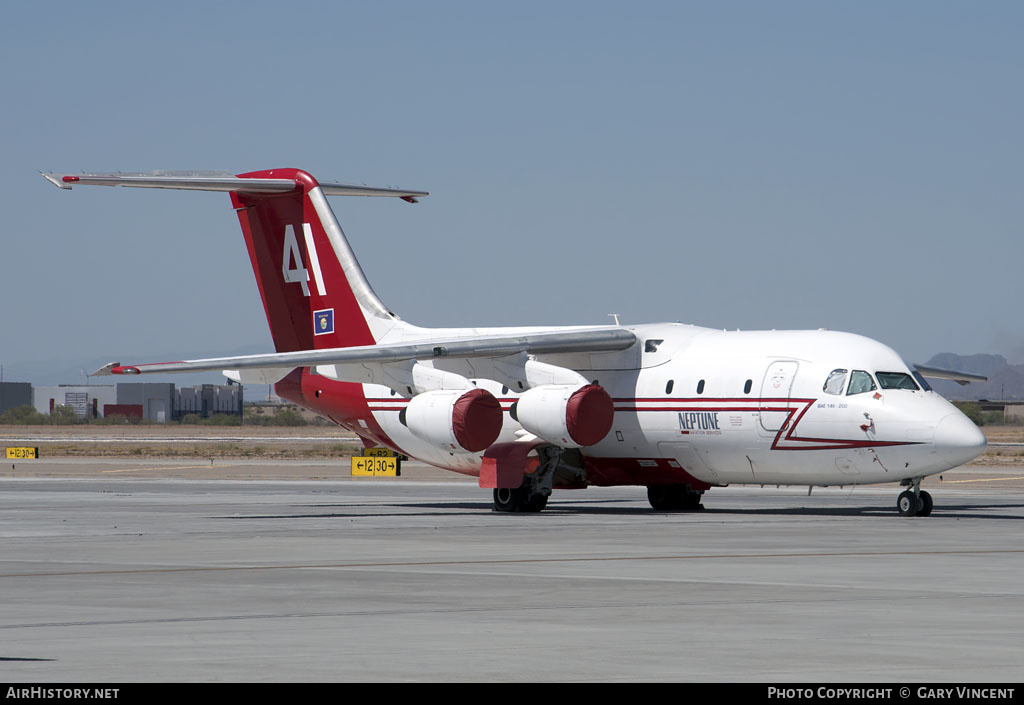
(345, 404)
(789, 406)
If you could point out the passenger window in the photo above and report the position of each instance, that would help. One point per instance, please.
(860, 382)
(835, 383)
(747, 386)
(895, 380)
(668, 387)
(700, 387)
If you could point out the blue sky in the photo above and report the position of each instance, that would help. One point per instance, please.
(849, 165)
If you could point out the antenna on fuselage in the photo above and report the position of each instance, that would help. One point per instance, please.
(615, 316)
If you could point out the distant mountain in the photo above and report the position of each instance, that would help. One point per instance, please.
(1005, 381)
(981, 363)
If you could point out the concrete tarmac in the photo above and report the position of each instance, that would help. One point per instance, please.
(134, 576)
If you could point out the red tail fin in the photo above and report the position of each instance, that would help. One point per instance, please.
(314, 292)
(302, 276)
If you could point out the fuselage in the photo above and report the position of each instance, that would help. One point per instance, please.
(711, 407)
(675, 407)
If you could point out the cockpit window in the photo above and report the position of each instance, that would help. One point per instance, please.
(835, 383)
(860, 382)
(895, 380)
(921, 380)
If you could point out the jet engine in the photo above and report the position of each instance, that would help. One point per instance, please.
(456, 420)
(570, 416)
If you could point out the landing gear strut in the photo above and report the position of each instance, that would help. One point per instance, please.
(673, 497)
(914, 502)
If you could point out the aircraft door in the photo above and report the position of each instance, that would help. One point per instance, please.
(778, 381)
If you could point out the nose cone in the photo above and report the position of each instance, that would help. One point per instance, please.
(958, 440)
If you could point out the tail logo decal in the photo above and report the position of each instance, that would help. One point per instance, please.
(323, 321)
(291, 261)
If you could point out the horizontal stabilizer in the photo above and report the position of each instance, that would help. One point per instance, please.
(222, 181)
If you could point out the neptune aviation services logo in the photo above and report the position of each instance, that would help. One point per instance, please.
(699, 422)
(323, 321)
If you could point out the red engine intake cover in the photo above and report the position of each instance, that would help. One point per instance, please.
(477, 419)
(589, 415)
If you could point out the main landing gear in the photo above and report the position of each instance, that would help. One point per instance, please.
(673, 497)
(520, 499)
(914, 502)
(532, 495)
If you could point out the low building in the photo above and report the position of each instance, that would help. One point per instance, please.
(87, 400)
(15, 394)
(156, 398)
(159, 402)
(209, 399)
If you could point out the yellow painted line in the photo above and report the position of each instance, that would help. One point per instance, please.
(171, 467)
(987, 479)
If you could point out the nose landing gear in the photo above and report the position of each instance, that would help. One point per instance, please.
(914, 502)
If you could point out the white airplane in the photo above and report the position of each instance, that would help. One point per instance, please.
(676, 408)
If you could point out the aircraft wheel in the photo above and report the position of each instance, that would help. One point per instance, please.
(507, 499)
(926, 504)
(535, 503)
(667, 498)
(908, 504)
(518, 499)
(691, 499)
(662, 497)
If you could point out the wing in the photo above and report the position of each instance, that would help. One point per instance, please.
(961, 378)
(356, 364)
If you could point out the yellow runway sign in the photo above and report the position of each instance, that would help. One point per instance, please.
(376, 466)
(22, 453)
(382, 453)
